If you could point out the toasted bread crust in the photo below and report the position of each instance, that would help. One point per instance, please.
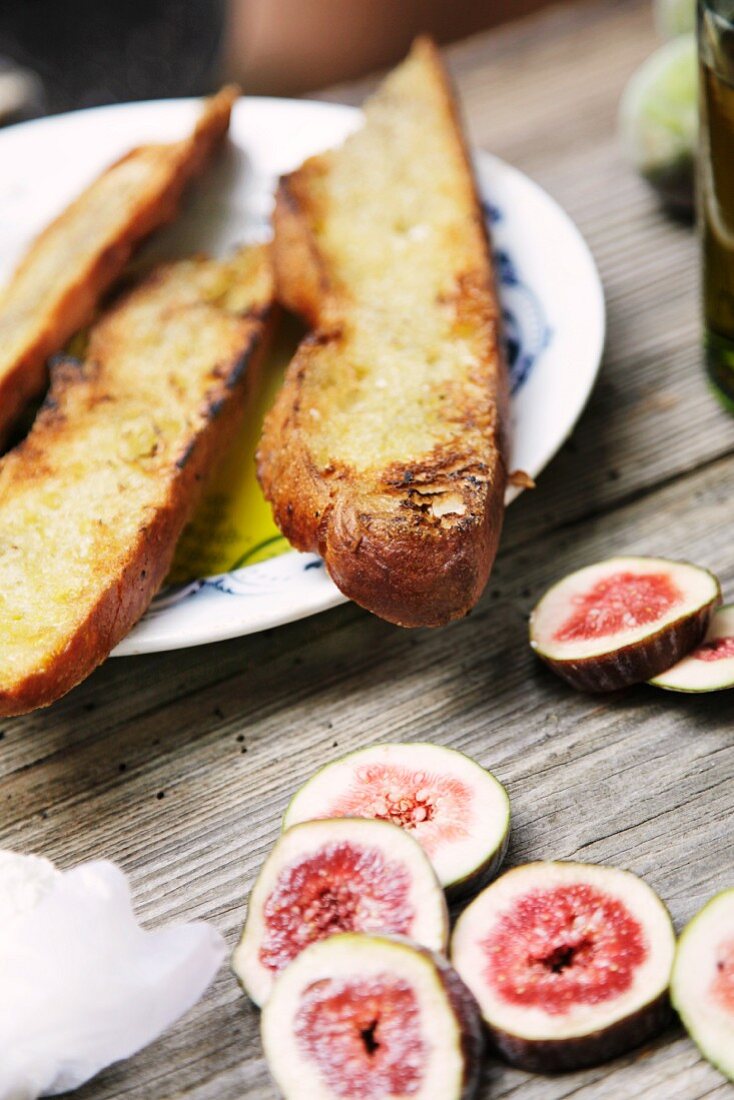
(92, 502)
(411, 539)
(58, 284)
(300, 272)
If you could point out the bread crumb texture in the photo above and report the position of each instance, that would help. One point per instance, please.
(394, 409)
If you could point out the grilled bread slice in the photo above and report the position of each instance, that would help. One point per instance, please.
(58, 284)
(93, 500)
(385, 449)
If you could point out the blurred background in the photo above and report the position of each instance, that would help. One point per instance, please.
(58, 55)
(61, 55)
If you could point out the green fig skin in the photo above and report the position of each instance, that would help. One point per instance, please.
(722, 1061)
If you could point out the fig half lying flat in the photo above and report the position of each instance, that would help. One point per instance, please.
(458, 811)
(359, 1017)
(323, 877)
(570, 963)
(623, 621)
(710, 666)
(702, 987)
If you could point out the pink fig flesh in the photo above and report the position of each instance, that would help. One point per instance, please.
(456, 809)
(618, 601)
(329, 876)
(570, 963)
(623, 621)
(569, 945)
(364, 1035)
(363, 1017)
(333, 891)
(710, 666)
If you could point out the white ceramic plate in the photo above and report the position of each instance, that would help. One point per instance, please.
(551, 295)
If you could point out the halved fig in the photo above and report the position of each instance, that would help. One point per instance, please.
(346, 875)
(623, 621)
(359, 1017)
(570, 963)
(702, 986)
(710, 666)
(455, 809)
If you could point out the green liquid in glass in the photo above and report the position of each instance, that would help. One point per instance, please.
(716, 190)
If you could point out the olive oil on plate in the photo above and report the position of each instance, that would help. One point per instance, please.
(233, 525)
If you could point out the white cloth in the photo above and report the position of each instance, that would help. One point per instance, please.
(81, 984)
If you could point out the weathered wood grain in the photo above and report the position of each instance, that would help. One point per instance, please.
(180, 765)
(643, 780)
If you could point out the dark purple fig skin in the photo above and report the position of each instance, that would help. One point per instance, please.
(465, 1007)
(467, 1012)
(470, 1020)
(550, 1056)
(481, 877)
(633, 664)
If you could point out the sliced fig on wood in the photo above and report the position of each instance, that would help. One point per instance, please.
(569, 962)
(710, 666)
(623, 621)
(702, 986)
(360, 1017)
(455, 809)
(324, 877)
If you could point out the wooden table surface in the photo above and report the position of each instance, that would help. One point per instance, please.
(179, 766)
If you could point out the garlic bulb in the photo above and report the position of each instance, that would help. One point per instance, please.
(82, 985)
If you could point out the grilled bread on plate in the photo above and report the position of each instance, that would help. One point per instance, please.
(385, 451)
(93, 500)
(56, 287)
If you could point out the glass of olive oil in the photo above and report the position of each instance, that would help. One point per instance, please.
(716, 189)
